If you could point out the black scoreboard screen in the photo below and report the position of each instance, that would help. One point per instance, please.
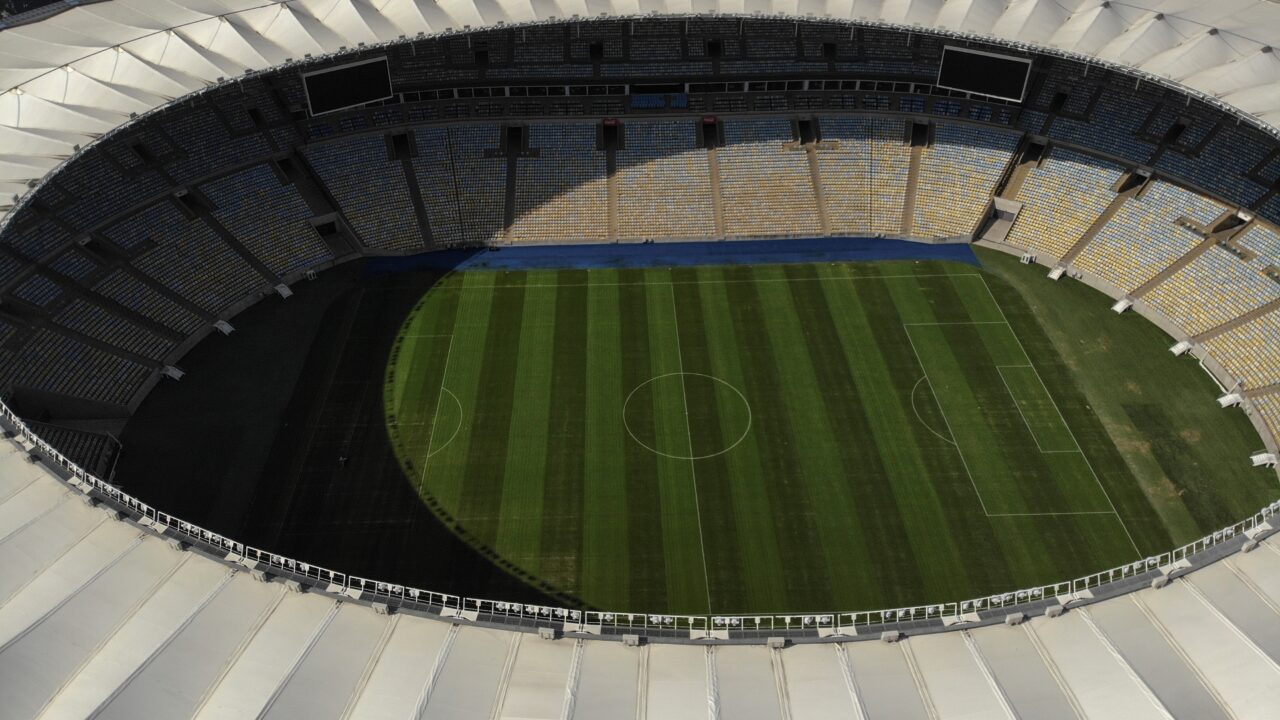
(984, 73)
(348, 85)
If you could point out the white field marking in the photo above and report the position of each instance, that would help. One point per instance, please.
(708, 281)
(456, 428)
(416, 337)
(626, 425)
(431, 436)
(917, 412)
(1014, 398)
(688, 428)
(1071, 432)
(945, 419)
(1051, 514)
(959, 322)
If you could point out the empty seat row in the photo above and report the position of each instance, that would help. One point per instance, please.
(1061, 199)
(1144, 238)
(765, 182)
(864, 164)
(269, 218)
(562, 195)
(958, 174)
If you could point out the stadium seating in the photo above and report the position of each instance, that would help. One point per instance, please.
(958, 174)
(269, 218)
(1223, 164)
(91, 450)
(766, 186)
(187, 257)
(132, 293)
(480, 182)
(1061, 199)
(1250, 352)
(95, 322)
(848, 165)
(1143, 237)
(1215, 287)
(433, 166)
(1113, 125)
(370, 189)
(43, 363)
(1268, 406)
(864, 164)
(562, 195)
(664, 183)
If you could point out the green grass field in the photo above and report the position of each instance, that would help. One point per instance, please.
(759, 439)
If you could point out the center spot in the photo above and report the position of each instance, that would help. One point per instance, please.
(687, 416)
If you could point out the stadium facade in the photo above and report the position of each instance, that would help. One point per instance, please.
(1166, 115)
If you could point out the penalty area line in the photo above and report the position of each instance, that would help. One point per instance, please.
(1072, 433)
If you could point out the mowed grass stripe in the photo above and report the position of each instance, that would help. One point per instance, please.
(413, 374)
(967, 553)
(782, 480)
(682, 540)
(860, 466)
(606, 566)
(645, 549)
(486, 457)
(445, 473)
(707, 409)
(929, 558)
(519, 532)
(747, 489)
(851, 558)
(562, 509)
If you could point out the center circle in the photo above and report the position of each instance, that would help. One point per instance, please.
(687, 415)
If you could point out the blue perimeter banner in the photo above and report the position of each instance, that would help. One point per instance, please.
(674, 254)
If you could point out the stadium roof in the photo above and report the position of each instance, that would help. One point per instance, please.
(70, 76)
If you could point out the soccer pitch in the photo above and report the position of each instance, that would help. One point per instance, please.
(757, 439)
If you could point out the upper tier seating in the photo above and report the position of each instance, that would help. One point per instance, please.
(765, 186)
(1143, 237)
(1250, 352)
(269, 218)
(664, 183)
(1061, 199)
(370, 189)
(864, 164)
(958, 175)
(1223, 164)
(562, 196)
(1115, 120)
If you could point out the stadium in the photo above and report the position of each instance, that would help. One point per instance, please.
(552, 360)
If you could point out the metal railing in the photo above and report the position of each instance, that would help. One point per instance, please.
(526, 615)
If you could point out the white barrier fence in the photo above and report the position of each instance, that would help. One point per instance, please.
(525, 614)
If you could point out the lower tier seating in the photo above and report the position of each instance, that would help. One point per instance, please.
(958, 175)
(1061, 199)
